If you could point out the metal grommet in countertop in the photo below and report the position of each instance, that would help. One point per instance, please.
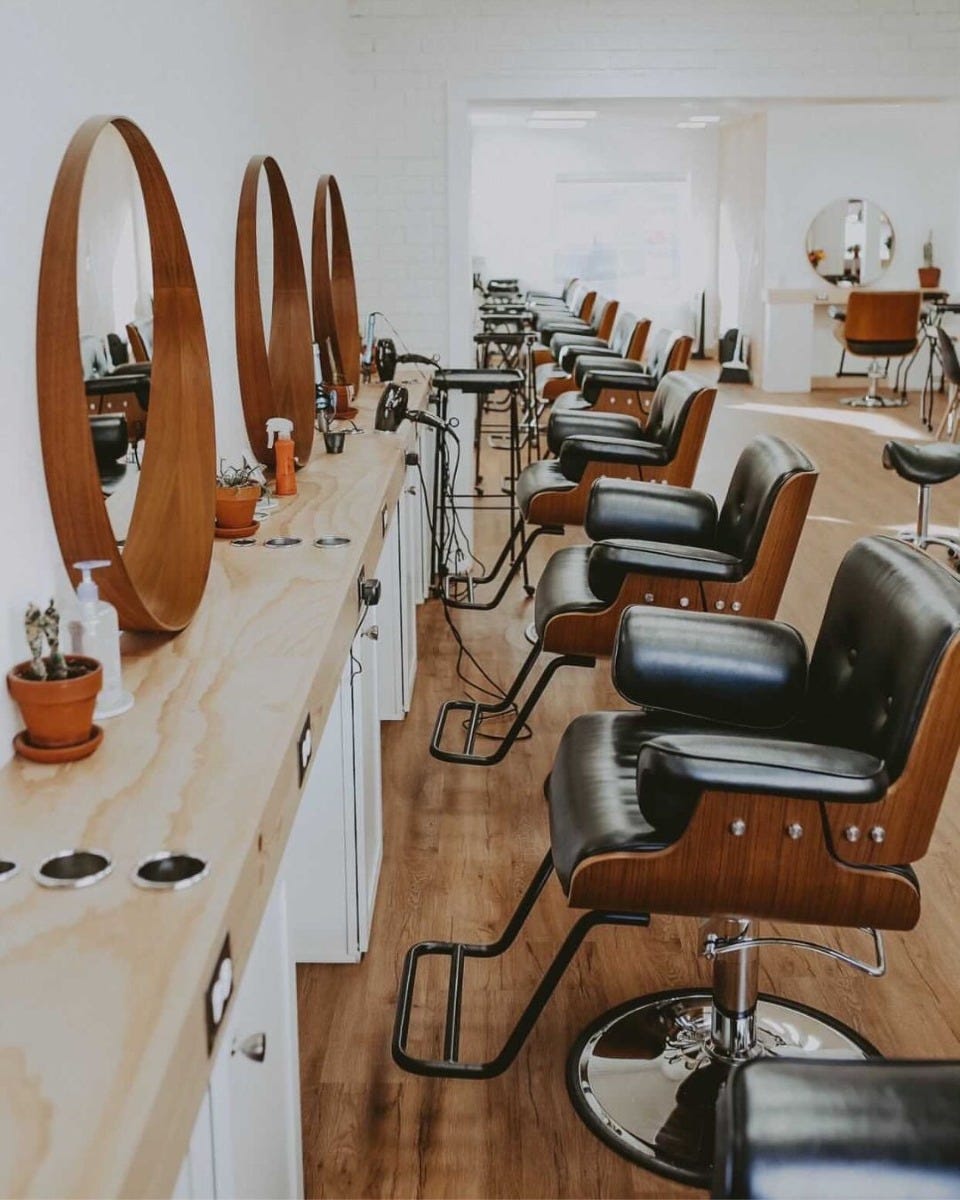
(330, 540)
(281, 543)
(73, 868)
(169, 871)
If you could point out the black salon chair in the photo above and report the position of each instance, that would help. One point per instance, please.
(578, 306)
(789, 1130)
(925, 464)
(752, 785)
(553, 366)
(597, 323)
(110, 445)
(951, 377)
(553, 493)
(651, 544)
(880, 326)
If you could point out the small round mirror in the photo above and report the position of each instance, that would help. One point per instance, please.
(850, 242)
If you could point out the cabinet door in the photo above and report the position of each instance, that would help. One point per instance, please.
(196, 1179)
(320, 861)
(255, 1082)
(368, 789)
(390, 641)
(426, 446)
(411, 580)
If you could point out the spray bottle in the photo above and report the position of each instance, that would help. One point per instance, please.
(97, 634)
(282, 429)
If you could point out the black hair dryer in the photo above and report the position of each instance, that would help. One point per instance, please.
(386, 359)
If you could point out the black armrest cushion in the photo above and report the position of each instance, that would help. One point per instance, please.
(614, 361)
(553, 325)
(568, 423)
(571, 353)
(653, 512)
(577, 452)
(595, 382)
(611, 561)
(133, 368)
(693, 763)
(739, 670)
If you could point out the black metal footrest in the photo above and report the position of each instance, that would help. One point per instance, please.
(453, 583)
(450, 1066)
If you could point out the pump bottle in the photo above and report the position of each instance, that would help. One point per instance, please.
(281, 429)
(96, 633)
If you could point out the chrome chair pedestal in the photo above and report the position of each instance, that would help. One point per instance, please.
(873, 397)
(645, 1077)
(922, 537)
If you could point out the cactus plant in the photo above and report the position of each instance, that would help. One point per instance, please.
(928, 250)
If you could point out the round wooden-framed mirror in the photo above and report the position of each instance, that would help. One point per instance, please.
(336, 321)
(276, 378)
(156, 577)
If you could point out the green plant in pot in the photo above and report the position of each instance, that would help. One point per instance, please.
(56, 693)
(929, 274)
(238, 490)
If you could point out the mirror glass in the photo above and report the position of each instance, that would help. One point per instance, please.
(265, 252)
(850, 242)
(115, 304)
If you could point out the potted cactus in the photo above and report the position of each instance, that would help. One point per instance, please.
(929, 274)
(238, 490)
(56, 693)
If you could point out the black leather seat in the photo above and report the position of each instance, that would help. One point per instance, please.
(787, 1130)
(651, 531)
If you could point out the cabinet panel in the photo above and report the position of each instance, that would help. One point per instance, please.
(390, 641)
(411, 580)
(367, 771)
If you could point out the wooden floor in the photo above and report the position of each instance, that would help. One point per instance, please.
(461, 843)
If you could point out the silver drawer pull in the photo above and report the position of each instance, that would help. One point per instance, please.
(253, 1047)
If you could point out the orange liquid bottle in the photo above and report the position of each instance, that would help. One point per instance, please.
(281, 429)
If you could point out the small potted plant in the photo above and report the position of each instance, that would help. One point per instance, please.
(56, 694)
(238, 490)
(929, 274)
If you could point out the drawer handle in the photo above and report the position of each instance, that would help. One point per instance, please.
(253, 1047)
(373, 633)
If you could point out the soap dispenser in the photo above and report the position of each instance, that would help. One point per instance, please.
(281, 429)
(97, 634)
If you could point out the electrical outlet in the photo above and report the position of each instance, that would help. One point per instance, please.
(219, 991)
(304, 750)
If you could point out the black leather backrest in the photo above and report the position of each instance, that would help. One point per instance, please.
(657, 350)
(622, 332)
(764, 466)
(948, 356)
(669, 408)
(891, 615)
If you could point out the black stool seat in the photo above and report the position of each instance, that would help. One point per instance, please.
(476, 381)
(542, 476)
(924, 464)
(839, 1129)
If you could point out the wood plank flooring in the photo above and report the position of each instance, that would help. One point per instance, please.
(461, 843)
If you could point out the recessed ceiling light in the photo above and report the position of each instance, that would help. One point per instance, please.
(563, 114)
(691, 125)
(539, 123)
(706, 120)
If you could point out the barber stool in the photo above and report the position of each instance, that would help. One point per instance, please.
(554, 493)
(753, 785)
(880, 325)
(925, 464)
(666, 546)
(835, 1130)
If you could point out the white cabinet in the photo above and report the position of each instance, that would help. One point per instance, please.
(390, 647)
(409, 519)
(332, 862)
(246, 1140)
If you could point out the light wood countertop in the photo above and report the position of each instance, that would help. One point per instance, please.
(102, 1032)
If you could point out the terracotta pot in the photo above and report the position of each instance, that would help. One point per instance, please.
(929, 276)
(57, 712)
(235, 505)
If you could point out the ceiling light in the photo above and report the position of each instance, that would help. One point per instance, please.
(705, 120)
(691, 125)
(563, 114)
(535, 123)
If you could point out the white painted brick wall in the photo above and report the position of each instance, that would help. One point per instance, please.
(403, 55)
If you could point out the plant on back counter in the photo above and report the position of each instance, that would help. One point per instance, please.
(56, 693)
(238, 490)
(929, 274)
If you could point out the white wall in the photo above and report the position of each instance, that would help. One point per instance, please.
(740, 258)
(513, 184)
(211, 82)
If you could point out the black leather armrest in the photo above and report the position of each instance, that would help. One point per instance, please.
(568, 423)
(739, 670)
(587, 364)
(610, 562)
(595, 382)
(133, 368)
(571, 354)
(701, 762)
(622, 508)
(577, 452)
(551, 325)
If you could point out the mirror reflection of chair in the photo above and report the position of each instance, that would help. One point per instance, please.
(880, 325)
(110, 444)
(140, 337)
(838, 1129)
(753, 785)
(553, 493)
(654, 545)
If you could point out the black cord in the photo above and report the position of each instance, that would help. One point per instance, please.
(406, 349)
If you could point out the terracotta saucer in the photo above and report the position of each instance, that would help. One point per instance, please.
(243, 531)
(57, 754)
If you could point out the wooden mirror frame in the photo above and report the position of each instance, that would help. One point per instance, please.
(335, 314)
(275, 381)
(157, 583)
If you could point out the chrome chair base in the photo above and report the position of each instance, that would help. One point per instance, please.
(645, 1076)
(922, 541)
(867, 401)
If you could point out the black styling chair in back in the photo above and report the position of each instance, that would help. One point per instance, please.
(753, 784)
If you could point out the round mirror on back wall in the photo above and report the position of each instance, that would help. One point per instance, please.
(850, 242)
(139, 492)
